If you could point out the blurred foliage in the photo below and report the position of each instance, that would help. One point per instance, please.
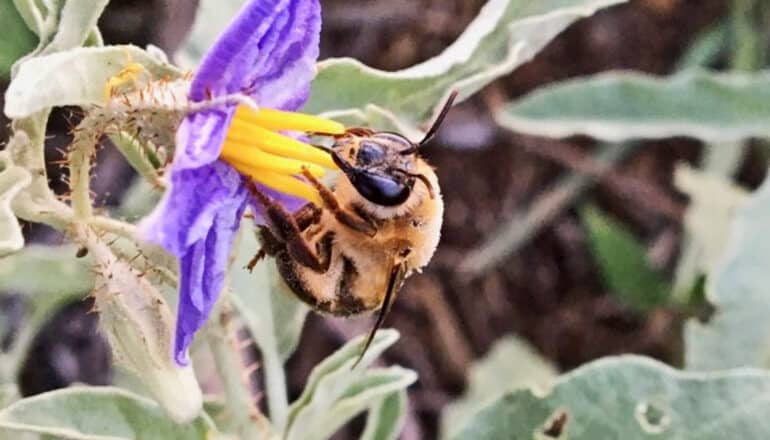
(623, 262)
(19, 41)
(619, 106)
(510, 365)
(504, 35)
(632, 398)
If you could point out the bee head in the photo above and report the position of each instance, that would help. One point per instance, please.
(380, 165)
(375, 166)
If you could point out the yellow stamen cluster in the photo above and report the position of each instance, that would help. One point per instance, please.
(255, 148)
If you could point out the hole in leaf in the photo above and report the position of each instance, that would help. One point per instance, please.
(654, 419)
(555, 426)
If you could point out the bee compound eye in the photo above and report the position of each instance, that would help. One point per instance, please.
(381, 189)
(369, 153)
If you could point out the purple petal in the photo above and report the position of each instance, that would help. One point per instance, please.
(201, 277)
(269, 52)
(200, 136)
(188, 209)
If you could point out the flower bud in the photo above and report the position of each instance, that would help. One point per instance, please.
(138, 323)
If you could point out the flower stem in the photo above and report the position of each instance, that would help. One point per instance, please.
(250, 421)
(82, 150)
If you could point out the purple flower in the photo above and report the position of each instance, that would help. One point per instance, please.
(267, 53)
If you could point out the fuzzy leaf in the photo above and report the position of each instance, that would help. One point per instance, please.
(273, 315)
(632, 398)
(505, 34)
(510, 365)
(212, 18)
(12, 180)
(77, 19)
(335, 392)
(623, 262)
(104, 413)
(710, 213)
(31, 14)
(386, 418)
(619, 106)
(45, 273)
(21, 42)
(75, 77)
(738, 334)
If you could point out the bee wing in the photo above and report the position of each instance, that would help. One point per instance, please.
(397, 275)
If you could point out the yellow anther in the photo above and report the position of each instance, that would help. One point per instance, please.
(280, 120)
(256, 158)
(280, 182)
(244, 133)
(129, 74)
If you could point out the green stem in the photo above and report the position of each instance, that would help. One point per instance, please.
(250, 422)
(81, 151)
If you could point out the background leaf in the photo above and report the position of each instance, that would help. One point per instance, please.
(623, 262)
(273, 316)
(505, 34)
(510, 365)
(335, 392)
(632, 398)
(386, 418)
(74, 77)
(18, 41)
(211, 19)
(618, 106)
(103, 413)
(12, 180)
(77, 19)
(738, 334)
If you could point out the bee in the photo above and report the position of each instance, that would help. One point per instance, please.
(379, 223)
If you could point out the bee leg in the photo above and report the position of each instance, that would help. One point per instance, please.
(307, 215)
(285, 229)
(257, 258)
(397, 275)
(348, 219)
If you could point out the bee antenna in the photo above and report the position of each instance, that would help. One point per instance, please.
(440, 119)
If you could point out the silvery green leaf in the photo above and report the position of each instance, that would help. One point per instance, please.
(45, 273)
(30, 13)
(210, 20)
(272, 314)
(335, 392)
(75, 77)
(23, 41)
(632, 398)
(510, 365)
(505, 34)
(103, 413)
(338, 399)
(618, 106)
(713, 203)
(77, 19)
(386, 418)
(9, 393)
(26, 148)
(12, 180)
(141, 157)
(738, 334)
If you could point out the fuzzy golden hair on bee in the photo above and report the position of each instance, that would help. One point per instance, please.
(379, 222)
